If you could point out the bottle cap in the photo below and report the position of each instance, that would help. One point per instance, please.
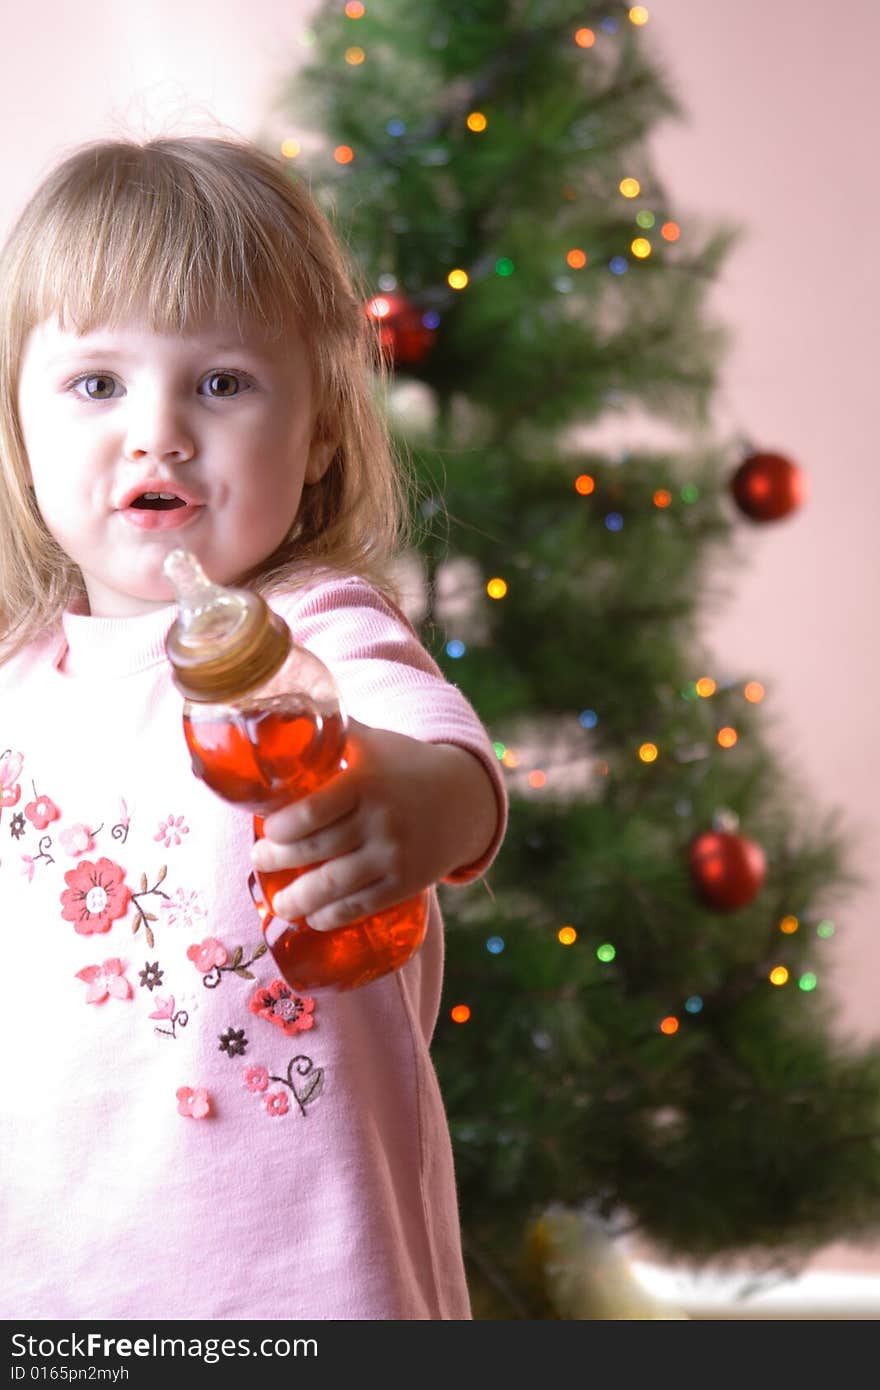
(224, 641)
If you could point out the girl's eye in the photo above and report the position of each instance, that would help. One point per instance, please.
(97, 388)
(222, 384)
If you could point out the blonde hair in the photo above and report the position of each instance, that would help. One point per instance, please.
(173, 229)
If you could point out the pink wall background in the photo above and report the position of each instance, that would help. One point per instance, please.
(779, 137)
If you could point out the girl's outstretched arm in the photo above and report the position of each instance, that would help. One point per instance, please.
(401, 817)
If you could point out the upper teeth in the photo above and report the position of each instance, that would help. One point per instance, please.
(165, 496)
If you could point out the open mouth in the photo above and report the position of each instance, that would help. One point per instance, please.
(158, 501)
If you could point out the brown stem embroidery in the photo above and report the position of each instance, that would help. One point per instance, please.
(314, 1081)
(213, 976)
(142, 918)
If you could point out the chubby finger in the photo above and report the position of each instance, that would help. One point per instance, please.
(336, 893)
(330, 803)
(341, 838)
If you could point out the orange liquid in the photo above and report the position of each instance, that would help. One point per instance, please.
(261, 758)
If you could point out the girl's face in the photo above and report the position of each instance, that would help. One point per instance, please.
(140, 442)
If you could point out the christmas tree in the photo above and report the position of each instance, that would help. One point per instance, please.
(634, 1027)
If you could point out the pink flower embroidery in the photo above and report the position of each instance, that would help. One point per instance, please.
(95, 897)
(10, 767)
(207, 954)
(41, 812)
(164, 1008)
(77, 840)
(28, 866)
(277, 1103)
(183, 909)
(194, 1103)
(256, 1078)
(170, 830)
(291, 1012)
(104, 980)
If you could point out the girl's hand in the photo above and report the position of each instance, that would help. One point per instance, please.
(402, 816)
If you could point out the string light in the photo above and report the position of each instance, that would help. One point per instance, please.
(825, 929)
(459, 1013)
(537, 778)
(689, 493)
(290, 148)
(641, 248)
(504, 266)
(567, 936)
(630, 188)
(645, 219)
(727, 737)
(694, 1004)
(778, 975)
(662, 497)
(584, 38)
(457, 279)
(495, 945)
(354, 56)
(476, 121)
(618, 265)
(343, 154)
(789, 924)
(576, 258)
(807, 981)
(509, 758)
(455, 648)
(354, 9)
(496, 588)
(648, 752)
(705, 686)
(584, 484)
(754, 692)
(606, 952)
(670, 231)
(500, 749)
(588, 719)
(638, 14)
(669, 1025)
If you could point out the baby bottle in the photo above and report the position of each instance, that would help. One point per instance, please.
(264, 726)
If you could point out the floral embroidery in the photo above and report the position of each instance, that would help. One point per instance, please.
(170, 831)
(210, 957)
(120, 829)
(276, 1102)
(151, 975)
(16, 826)
(77, 839)
(233, 1042)
(95, 897)
(178, 1018)
(207, 954)
(184, 909)
(10, 768)
(41, 811)
(142, 918)
(28, 866)
(194, 1103)
(291, 1012)
(105, 980)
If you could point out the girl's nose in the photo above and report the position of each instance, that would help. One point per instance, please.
(155, 429)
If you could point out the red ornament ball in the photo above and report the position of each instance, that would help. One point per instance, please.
(727, 869)
(767, 487)
(404, 336)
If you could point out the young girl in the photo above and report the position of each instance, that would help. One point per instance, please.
(184, 363)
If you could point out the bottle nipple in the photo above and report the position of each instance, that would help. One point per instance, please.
(224, 640)
(207, 613)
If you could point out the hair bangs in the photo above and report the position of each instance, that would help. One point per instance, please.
(162, 250)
